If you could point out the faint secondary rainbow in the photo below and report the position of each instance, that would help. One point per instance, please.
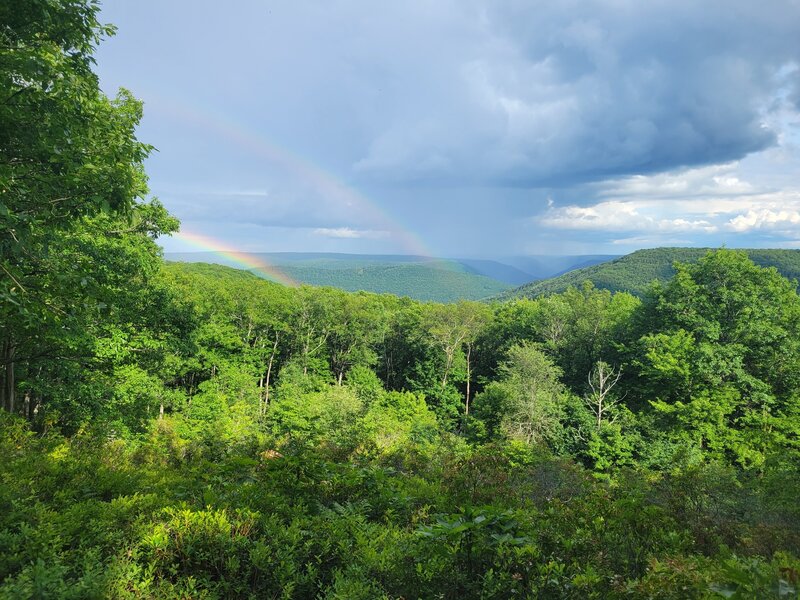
(322, 182)
(248, 261)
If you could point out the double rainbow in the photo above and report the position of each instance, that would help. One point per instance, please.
(322, 182)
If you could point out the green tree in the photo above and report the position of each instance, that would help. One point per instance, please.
(357, 324)
(529, 396)
(581, 326)
(311, 324)
(576, 328)
(72, 187)
(720, 354)
(399, 420)
(454, 330)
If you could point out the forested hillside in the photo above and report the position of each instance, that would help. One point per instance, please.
(417, 277)
(194, 431)
(433, 281)
(636, 271)
(499, 271)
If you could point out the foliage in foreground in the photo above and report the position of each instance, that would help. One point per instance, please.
(166, 516)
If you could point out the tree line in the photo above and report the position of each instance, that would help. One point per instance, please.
(707, 363)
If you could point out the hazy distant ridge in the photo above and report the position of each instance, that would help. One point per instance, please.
(420, 277)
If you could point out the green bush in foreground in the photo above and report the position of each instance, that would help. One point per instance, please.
(94, 518)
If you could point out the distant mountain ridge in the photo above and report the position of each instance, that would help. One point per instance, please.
(419, 277)
(544, 267)
(434, 282)
(634, 272)
(514, 270)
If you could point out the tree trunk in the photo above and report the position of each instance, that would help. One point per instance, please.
(447, 366)
(306, 352)
(602, 379)
(8, 389)
(268, 375)
(469, 376)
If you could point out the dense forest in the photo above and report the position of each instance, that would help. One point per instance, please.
(432, 281)
(636, 271)
(418, 277)
(193, 431)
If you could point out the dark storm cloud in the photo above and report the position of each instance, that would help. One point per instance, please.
(460, 122)
(570, 91)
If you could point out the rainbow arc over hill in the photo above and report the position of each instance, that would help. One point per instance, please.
(249, 261)
(325, 184)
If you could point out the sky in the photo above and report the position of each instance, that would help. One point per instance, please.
(463, 128)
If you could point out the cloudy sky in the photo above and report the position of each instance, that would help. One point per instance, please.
(461, 128)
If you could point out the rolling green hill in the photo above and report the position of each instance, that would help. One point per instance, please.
(499, 271)
(635, 271)
(420, 277)
(222, 272)
(431, 281)
(427, 280)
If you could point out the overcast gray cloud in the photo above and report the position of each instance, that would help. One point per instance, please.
(591, 89)
(455, 122)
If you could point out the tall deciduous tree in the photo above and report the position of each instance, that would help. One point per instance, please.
(356, 327)
(721, 355)
(71, 187)
(454, 329)
(530, 395)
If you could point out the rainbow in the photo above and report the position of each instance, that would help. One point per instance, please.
(247, 261)
(322, 182)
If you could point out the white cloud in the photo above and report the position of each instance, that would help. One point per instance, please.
(707, 200)
(507, 97)
(718, 181)
(622, 215)
(767, 219)
(534, 94)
